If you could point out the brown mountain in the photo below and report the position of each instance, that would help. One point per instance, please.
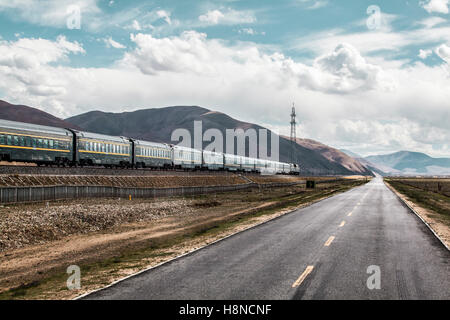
(158, 124)
(333, 155)
(31, 115)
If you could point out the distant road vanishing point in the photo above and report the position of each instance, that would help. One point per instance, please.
(330, 250)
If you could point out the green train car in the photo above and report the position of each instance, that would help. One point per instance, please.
(99, 149)
(25, 142)
(152, 154)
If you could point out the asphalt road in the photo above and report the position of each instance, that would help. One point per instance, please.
(296, 257)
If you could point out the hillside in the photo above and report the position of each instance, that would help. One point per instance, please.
(332, 154)
(407, 162)
(31, 115)
(159, 123)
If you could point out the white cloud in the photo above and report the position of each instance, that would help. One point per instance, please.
(31, 53)
(342, 71)
(312, 4)
(228, 16)
(318, 4)
(443, 51)
(251, 32)
(111, 43)
(439, 6)
(371, 41)
(164, 15)
(423, 54)
(432, 21)
(136, 26)
(49, 12)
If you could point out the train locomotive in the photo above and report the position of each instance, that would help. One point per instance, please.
(44, 145)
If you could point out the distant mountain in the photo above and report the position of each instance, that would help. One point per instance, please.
(350, 153)
(159, 123)
(411, 163)
(31, 115)
(333, 155)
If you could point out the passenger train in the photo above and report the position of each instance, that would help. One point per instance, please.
(43, 145)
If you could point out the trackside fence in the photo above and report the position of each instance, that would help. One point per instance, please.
(10, 195)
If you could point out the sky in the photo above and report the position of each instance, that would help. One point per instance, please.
(367, 76)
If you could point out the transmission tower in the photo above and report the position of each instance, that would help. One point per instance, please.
(293, 133)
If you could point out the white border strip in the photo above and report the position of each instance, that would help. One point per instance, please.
(205, 246)
(414, 211)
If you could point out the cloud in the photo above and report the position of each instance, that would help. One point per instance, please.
(31, 53)
(111, 43)
(51, 13)
(251, 32)
(318, 4)
(432, 21)
(443, 51)
(349, 71)
(311, 4)
(371, 42)
(164, 15)
(342, 71)
(439, 6)
(228, 16)
(423, 54)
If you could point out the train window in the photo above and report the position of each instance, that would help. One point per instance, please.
(33, 141)
(21, 141)
(2, 139)
(45, 143)
(55, 144)
(27, 141)
(50, 144)
(15, 140)
(8, 140)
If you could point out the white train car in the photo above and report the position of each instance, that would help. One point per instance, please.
(212, 160)
(186, 158)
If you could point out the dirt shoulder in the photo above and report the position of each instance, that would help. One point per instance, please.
(37, 271)
(435, 220)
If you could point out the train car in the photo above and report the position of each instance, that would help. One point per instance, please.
(248, 164)
(260, 165)
(151, 155)
(294, 169)
(25, 142)
(212, 160)
(285, 168)
(103, 150)
(232, 162)
(186, 158)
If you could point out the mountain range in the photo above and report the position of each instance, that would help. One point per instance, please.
(404, 163)
(157, 125)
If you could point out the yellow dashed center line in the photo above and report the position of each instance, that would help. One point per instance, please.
(350, 214)
(303, 276)
(329, 241)
(342, 224)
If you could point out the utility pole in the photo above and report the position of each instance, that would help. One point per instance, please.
(293, 133)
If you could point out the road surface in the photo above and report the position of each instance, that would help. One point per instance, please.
(323, 251)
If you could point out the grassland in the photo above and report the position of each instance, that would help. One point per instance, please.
(432, 194)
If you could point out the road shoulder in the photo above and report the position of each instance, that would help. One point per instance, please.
(439, 229)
